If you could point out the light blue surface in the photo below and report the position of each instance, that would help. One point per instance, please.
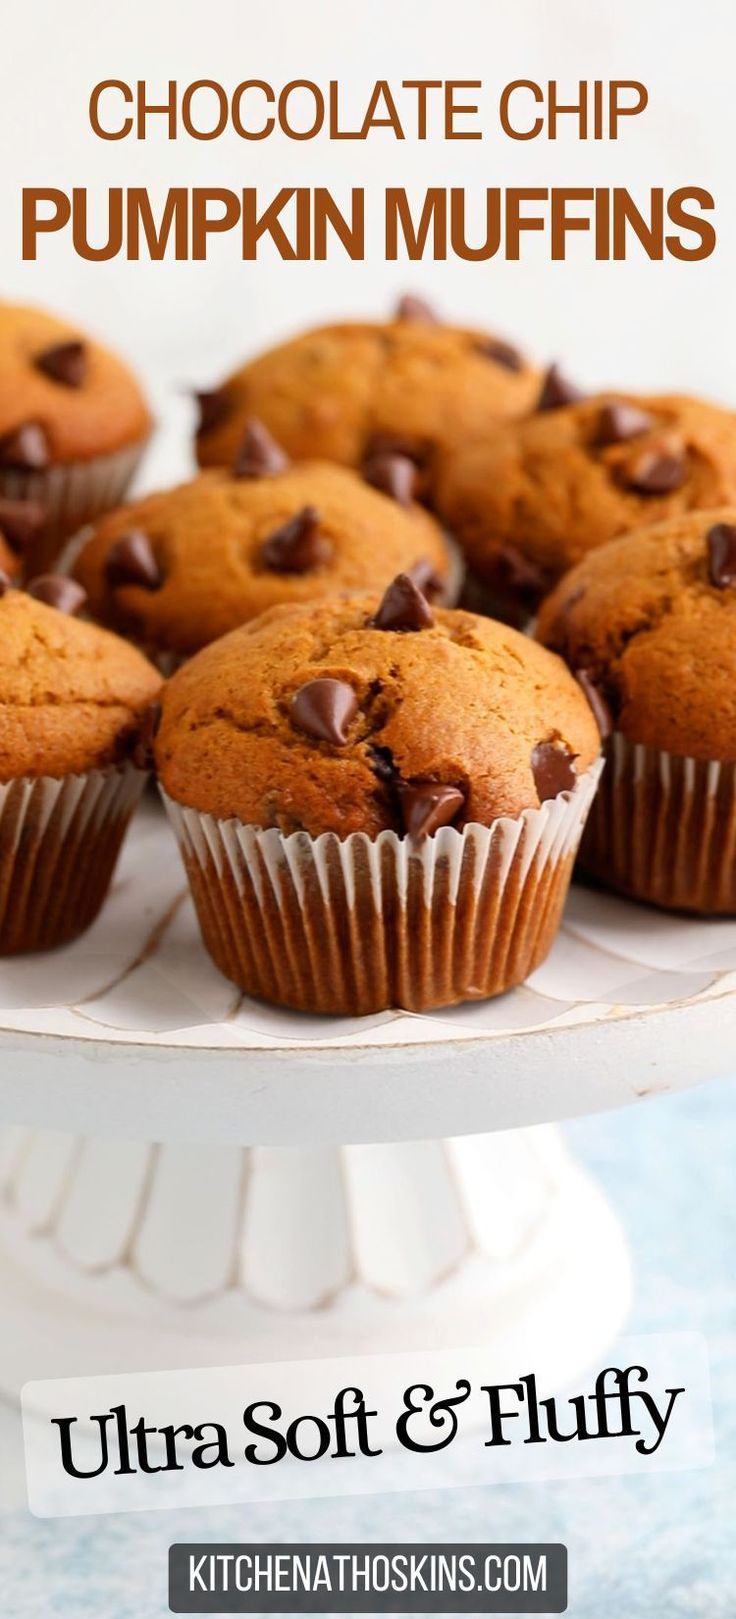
(659, 1546)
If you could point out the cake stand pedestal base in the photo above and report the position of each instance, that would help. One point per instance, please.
(126, 1256)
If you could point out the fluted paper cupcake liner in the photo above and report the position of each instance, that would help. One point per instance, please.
(71, 494)
(356, 925)
(663, 829)
(59, 842)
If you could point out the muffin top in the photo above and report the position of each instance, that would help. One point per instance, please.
(343, 392)
(650, 619)
(529, 500)
(62, 397)
(72, 696)
(181, 568)
(367, 713)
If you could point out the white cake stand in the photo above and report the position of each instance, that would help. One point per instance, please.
(187, 1178)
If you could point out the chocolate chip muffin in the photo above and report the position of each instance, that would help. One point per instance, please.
(179, 569)
(529, 500)
(648, 622)
(349, 392)
(74, 705)
(378, 802)
(73, 423)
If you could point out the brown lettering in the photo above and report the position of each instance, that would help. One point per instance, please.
(678, 214)
(94, 109)
(399, 220)
(175, 216)
(505, 110)
(203, 225)
(35, 225)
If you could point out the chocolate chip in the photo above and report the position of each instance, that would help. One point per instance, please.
(493, 348)
(131, 560)
(5, 582)
(721, 543)
(656, 471)
(417, 310)
(298, 546)
(21, 522)
(393, 474)
(213, 408)
(142, 752)
(620, 421)
(324, 709)
(428, 805)
(557, 391)
(426, 578)
(57, 591)
(403, 607)
(598, 701)
(65, 363)
(26, 448)
(259, 455)
(382, 762)
(553, 769)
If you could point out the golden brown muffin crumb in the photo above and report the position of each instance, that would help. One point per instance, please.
(651, 619)
(71, 695)
(340, 393)
(216, 552)
(63, 397)
(528, 500)
(460, 705)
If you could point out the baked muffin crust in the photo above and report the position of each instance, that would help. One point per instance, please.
(222, 549)
(458, 704)
(528, 500)
(337, 392)
(63, 397)
(651, 619)
(72, 696)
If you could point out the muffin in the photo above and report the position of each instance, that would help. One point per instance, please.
(649, 624)
(179, 569)
(527, 501)
(378, 804)
(73, 424)
(348, 392)
(75, 706)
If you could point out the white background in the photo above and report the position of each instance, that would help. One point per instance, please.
(639, 323)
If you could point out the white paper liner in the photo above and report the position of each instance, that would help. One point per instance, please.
(663, 829)
(358, 924)
(72, 494)
(59, 841)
